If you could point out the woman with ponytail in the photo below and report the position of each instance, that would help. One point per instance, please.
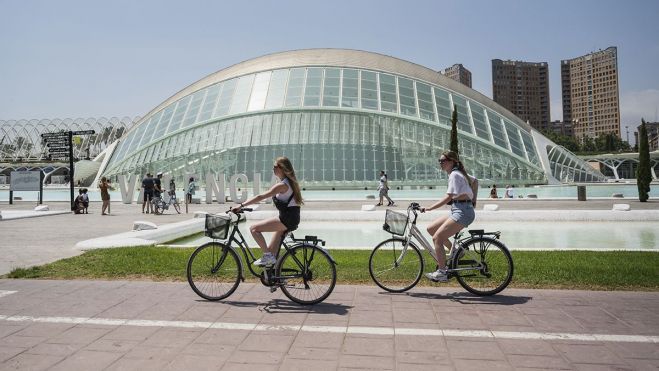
(287, 198)
(462, 198)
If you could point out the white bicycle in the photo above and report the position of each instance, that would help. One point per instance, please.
(481, 263)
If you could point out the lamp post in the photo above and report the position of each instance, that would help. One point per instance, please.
(627, 129)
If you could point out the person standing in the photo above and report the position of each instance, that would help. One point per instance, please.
(510, 192)
(190, 191)
(493, 191)
(104, 186)
(462, 198)
(287, 198)
(147, 186)
(383, 189)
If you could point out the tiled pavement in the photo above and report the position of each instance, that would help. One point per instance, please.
(119, 325)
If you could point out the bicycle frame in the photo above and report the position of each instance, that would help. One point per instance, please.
(413, 232)
(237, 237)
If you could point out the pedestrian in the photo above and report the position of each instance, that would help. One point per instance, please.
(104, 186)
(157, 186)
(190, 191)
(287, 198)
(78, 207)
(383, 189)
(493, 191)
(147, 189)
(85, 200)
(510, 192)
(461, 195)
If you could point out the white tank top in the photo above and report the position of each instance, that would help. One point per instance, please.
(286, 195)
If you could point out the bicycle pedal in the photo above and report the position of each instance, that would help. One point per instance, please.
(273, 288)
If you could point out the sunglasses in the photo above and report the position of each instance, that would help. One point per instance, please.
(275, 167)
(443, 160)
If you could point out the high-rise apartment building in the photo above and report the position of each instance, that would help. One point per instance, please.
(590, 93)
(459, 73)
(523, 88)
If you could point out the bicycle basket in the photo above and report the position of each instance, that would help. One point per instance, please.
(395, 223)
(217, 226)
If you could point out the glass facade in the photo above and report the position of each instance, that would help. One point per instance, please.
(339, 126)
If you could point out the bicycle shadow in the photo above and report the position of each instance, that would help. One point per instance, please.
(277, 305)
(468, 298)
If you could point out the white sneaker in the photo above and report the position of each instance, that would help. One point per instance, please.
(438, 276)
(266, 260)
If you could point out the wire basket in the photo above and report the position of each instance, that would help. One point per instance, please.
(395, 223)
(217, 226)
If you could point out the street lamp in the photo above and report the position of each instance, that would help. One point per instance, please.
(627, 129)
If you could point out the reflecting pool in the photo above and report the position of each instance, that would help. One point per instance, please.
(516, 235)
(563, 191)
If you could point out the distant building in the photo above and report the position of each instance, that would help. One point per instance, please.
(459, 73)
(653, 135)
(562, 128)
(523, 88)
(590, 93)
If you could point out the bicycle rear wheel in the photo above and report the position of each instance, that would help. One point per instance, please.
(158, 207)
(214, 271)
(394, 267)
(484, 266)
(307, 274)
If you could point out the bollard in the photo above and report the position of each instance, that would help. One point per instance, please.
(581, 193)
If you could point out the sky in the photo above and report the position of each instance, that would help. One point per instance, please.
(86, 58)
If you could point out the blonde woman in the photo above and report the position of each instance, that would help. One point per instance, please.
(287, 198)
(462, 198)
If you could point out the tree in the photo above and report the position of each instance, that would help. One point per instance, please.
(643, 176)
(454, 130)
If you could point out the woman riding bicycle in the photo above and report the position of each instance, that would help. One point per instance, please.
(462, 198)
(287, 198)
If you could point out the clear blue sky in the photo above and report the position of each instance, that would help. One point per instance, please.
(89, 58)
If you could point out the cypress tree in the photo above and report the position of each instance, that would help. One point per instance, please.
(643, 176)
(454, 130)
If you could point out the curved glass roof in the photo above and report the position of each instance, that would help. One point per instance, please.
(247, 99)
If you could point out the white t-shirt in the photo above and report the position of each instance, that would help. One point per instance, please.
(458, 185)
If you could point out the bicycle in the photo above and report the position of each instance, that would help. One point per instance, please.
(480, 262)
(305, 272)
(159, 205)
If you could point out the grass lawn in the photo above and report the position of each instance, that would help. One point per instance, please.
(587, 270)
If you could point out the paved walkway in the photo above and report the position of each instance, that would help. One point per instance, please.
(117, 325)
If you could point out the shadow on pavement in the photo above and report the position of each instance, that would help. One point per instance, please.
(287, 306)
(467, 298)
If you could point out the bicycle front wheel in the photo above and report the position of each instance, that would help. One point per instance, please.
(307, 274)
(214, 271)
(394, 266)
(483, 266)
(158, 207)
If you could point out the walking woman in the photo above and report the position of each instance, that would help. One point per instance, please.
(287, 198)
(383, 189)
(462, 198)
(104, 186)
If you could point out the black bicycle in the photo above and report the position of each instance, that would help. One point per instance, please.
(305, 272)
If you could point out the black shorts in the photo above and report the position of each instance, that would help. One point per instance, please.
(290, 217)
(148, 194)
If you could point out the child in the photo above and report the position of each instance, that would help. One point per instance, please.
(85, 200)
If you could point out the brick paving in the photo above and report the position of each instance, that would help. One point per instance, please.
(125, 325)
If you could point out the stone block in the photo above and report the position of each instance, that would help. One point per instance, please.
(41, 208)
(144, 225)
(368, 207)
(490, 207)
(531, 196)
(621, 207)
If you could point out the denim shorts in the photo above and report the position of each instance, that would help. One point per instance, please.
(462, 213)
